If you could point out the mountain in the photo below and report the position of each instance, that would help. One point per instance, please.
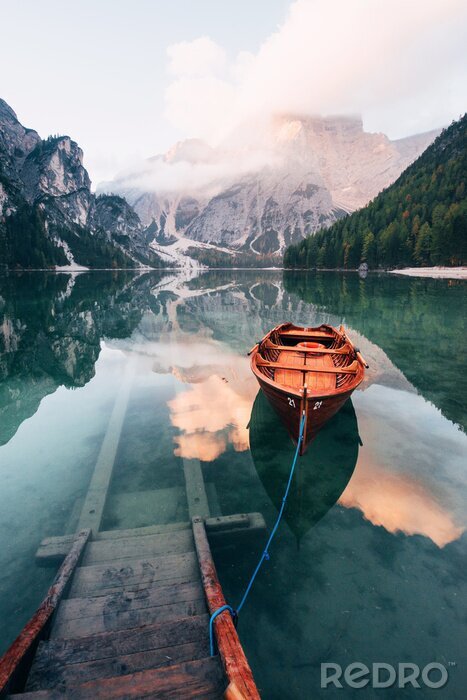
(48, 215)
(419, 220)
(262, 189)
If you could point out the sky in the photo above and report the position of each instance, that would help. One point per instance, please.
(128, 79)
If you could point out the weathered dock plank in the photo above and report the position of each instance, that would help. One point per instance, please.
(129, 574)
(53, 674)
(52, 550)
(221, 530)
(202, 678)
(141, 547)
(141, 531)
(120, 601)
(113, 621)
(124, 642)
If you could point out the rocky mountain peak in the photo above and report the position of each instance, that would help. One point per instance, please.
(6, 112)
(58, 162)
(16, 142)
(270, 184)
(48, 214)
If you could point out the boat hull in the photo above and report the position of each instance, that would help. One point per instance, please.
(318, 411)
(308, 372)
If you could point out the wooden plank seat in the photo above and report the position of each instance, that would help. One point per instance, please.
(343, 350)
(350, 369)
(309, 335)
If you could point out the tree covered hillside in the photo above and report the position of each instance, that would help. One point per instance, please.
(421, 219)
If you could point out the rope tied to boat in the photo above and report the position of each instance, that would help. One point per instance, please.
(217, 612)
(265, 556)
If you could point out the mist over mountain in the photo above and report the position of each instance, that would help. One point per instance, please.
(268, 185)
(421, 219)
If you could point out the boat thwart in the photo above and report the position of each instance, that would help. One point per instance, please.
(311, 371)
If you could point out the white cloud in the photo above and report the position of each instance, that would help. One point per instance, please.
(401, 63)
(196, 58)
(207, 177)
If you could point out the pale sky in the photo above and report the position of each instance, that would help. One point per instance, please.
(128, 79)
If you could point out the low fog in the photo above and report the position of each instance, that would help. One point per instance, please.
(401, 65)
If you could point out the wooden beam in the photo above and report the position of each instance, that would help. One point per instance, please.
(197, 499)
(306, 334)
(234, 661)
(308, 351)
(227, 522)
(350, 369)
(227, 530)
(53, 550)
(94, 503)
(15, 663)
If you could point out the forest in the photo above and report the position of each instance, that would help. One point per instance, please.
(214, 257)
(421, 219)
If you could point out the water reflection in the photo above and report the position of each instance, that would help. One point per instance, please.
(51, 330)
(410, 475)
(322, 473)
(419, 324)
(380, 577)
(210, 416)
(399, 503)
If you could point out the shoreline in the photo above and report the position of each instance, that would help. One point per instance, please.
(455, 273)
(439, 272)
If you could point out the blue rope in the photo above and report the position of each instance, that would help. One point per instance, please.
(265, 554)
(211, 621)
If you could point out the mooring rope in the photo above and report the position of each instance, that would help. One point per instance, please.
(265, 555)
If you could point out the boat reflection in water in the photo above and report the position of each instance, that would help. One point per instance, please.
(322, 473)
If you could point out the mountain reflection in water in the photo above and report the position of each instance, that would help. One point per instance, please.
(379, 574)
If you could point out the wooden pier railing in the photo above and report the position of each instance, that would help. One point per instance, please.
(14, 664)
(236, 668)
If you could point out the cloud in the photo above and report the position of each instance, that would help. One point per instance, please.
(192, 176)
(399, 503)
(401, 64)
(196, 58)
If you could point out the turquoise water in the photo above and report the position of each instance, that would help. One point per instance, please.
(369, 563)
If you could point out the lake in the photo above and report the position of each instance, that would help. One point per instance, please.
(369, 563)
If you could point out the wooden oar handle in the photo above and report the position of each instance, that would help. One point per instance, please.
(252, 349)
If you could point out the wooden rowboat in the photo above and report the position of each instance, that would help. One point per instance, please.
(307, 371)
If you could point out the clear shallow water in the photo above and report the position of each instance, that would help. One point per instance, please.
(369, 564)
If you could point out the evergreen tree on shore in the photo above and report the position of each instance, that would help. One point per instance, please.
(421, 219)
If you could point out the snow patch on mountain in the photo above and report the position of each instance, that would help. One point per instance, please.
(265, 187)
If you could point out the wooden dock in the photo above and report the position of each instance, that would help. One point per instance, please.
(127, 617)
(128, 613)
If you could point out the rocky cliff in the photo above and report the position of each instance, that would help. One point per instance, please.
(296, 175)
(48, 214)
